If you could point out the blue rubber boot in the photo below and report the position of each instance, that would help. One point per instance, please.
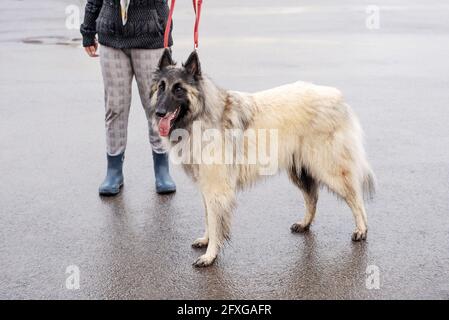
(164, 182)
(114, 177)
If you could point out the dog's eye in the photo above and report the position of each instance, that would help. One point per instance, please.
(162, 86)
(177, 89)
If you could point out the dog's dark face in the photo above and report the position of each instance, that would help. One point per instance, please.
(174, 92)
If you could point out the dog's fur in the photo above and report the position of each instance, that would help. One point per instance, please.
(320, 143)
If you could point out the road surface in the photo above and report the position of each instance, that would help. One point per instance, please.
(395, 74)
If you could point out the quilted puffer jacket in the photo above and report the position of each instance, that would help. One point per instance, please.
(144, 28)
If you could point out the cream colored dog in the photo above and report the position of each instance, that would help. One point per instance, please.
(318, 142)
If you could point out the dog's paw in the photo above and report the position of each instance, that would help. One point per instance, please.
(359, 235)
(204, 261)
(200, 243)
(299, 227)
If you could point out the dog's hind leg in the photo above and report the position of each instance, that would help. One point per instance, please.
(204, 240)
(346, 186)
(309, 188)
(355, 202)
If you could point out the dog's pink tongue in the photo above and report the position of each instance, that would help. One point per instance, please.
(165, 124)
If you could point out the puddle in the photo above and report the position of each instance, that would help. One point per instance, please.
(53, 40)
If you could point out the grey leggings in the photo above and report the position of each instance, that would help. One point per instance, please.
(118, 67)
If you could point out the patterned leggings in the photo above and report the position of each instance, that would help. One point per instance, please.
(118, 67)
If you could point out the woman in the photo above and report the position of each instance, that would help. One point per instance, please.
(131, 33)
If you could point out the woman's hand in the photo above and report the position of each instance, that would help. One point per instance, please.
(92, 50)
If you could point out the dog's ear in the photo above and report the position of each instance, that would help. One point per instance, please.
(166, 60)
(192, 65)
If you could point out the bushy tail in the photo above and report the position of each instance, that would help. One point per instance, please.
(369, 184)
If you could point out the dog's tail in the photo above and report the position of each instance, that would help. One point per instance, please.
(369, 184)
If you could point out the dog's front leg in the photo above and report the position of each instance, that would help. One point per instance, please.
(218, 205)
(204, 240)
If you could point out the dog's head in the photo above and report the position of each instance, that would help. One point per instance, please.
(175, 97)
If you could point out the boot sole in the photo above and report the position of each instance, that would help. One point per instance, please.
(166, 191)
(109, 193)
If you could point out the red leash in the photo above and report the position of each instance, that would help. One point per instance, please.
(168, 26)
(197, 8)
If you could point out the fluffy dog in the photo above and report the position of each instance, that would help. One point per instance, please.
(318, 142)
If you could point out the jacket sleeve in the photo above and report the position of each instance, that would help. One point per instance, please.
(88, 27)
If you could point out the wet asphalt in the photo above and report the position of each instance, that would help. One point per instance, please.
(137, 245)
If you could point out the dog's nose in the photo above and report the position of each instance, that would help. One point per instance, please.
(161, 113)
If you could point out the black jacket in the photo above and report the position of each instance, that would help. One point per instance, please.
(144, 29)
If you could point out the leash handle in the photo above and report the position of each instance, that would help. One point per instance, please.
(197, 8)
(168, 26)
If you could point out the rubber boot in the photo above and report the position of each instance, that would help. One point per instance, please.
(114, 177)
(164, 182)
